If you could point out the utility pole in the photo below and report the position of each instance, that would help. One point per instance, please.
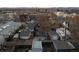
(66, 27)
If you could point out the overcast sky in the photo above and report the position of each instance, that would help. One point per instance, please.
(39, 3)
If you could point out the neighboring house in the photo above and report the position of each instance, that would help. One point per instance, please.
(61, 33)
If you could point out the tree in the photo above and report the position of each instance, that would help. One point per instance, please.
(74, 26)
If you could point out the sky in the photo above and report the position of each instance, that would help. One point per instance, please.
(39, 3)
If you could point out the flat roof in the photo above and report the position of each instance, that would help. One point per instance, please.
(62, 45)
(25, 33)
(36, 50)
(37, 44)
(24, 42)
(39, 38)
